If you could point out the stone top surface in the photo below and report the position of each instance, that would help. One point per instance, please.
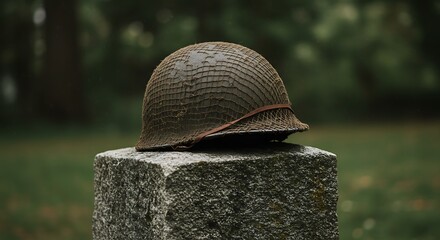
(171, 160)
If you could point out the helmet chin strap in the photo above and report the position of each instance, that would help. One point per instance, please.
(228, 124)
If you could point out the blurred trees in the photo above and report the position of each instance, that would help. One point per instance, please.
(62, 94)
(341, 60)
(16, 41)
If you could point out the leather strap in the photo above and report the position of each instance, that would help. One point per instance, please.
(226, 125)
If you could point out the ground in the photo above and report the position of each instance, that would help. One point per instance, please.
(388, 177)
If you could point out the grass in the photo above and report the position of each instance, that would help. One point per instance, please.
(389, 181)
(46, 182)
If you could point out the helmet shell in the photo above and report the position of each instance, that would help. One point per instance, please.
(198, 91)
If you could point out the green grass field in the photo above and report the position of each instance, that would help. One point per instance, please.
(389, 179)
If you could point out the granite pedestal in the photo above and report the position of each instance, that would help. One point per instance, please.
(280, 191)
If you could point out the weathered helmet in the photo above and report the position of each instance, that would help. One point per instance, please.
(214, 89)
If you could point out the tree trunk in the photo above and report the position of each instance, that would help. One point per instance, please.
(16, 50)
(62, 91)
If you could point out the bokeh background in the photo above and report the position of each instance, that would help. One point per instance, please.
(364, 74)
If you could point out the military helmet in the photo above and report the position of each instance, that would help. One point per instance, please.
(213, 89)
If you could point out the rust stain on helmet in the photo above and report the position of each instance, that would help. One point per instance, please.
(213, 89)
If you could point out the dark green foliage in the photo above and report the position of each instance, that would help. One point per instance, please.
(341, 60)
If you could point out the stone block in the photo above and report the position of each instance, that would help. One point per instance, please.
(280, 191)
